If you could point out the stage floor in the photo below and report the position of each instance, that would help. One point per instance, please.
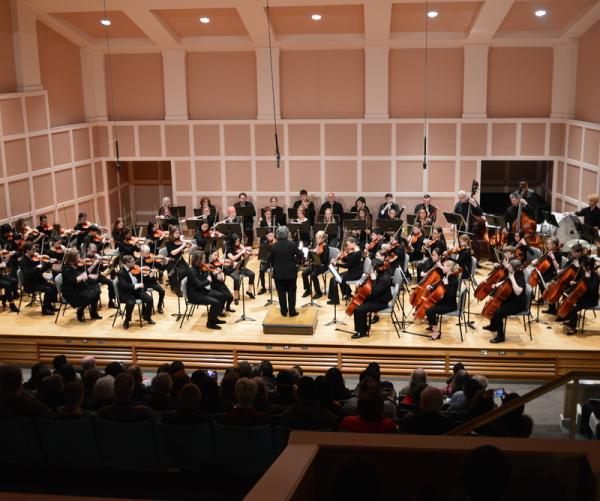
(27, 337)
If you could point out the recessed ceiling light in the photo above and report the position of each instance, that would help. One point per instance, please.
(540, 13)
(105, 22)
(205, 20)
(316, 17)
(432, 14)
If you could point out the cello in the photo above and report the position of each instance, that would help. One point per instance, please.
(555, 289)
(502, 292)
(434, 295)
(573, 293)
(433, 276)
(481, 244)
(363, 291)
(486, 286)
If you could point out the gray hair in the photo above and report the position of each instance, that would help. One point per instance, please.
(104, 389)
(282, 232)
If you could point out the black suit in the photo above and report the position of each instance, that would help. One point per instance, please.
(128, 294)
(310, 210)
(379, 298)
(284, 258)
(33, 281)
(354, 263)
(198, 292)
(383, 210)
(79, 294)
(531, 199)
(336, 208)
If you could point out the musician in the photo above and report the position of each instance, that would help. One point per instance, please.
(98, 277)
(218, 280)
(591, 213)
(238, 254)
(362, 235)
(575, 257)
(462, 208)
(510, 216)
(387, 205)
(329, 218)
(307, 205)
(529, 196)
(207, 216)
(95, 236)
(131, 288)
(301, 218)
(514, 303)
(155, 236)
(199, 290)
(424, 266)
(416, 240)
(437, 240)
(82, 227)
(448, 301)
(422, 218)
(332, 204)
(523, 250)
(589, 299)
(268, 219)
(430, 210)
(376, 241)
(378, 300)
(556, 259)
(204, 235)
(177, 267)
(310, 275)
(33, 280)
(165, 209)
(277, 211)
(118, 228)
(11, 243)
(128, 244)
(249, 219)
(393, 215)
(464, 256)
(151, 280)
(212, 210)
(351, 259)
(284, 258)
(232, 218)
(267, 241)
(80, 287)
(395, 252)
(359, 204)
(45, 230)
(8, 283)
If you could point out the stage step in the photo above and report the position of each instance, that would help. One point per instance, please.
(305, 323)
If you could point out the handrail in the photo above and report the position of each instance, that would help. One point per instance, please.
(522, 400)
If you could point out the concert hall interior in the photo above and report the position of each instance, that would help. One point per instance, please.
(435, 166)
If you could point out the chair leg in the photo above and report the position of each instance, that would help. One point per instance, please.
(20, 300)
(529, 325)
(58, 312)
(140, 314)
(183, 316)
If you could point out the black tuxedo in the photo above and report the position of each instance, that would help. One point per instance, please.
(284, 258)
(128, 294)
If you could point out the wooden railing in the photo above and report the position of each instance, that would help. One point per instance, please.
(551, 385)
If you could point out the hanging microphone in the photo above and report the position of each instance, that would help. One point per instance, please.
(117, 153)
(277, 154)
(424, 152)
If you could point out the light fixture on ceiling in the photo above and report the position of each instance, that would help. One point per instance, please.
(105, 22)
(540, 13)
(316, 17)
(432, 14)
(205, 20)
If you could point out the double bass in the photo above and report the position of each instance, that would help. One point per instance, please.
(480, 244)
(528, 225)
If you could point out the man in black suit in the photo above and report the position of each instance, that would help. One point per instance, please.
(334, 205)
(307, 205)
(249, 219)
(284, 258)
(386, 206)
(462, 208)
(33, 278)
(131, 288)
(526, 193)
(379, 298)
(428, 207)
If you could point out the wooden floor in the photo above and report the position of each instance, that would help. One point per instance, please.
(28, 337)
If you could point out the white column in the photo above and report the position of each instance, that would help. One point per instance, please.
(475, 81)
(564, 79)
(264, 92)
(25, 43)
(93, 76)
(175, 80)
(376, 82)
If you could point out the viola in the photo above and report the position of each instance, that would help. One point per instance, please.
(415, 237)
(486, 286)
(430, 243)
(502, 292)
(363, 291)
(433, 276)
(159, 234)
(320, 248)
(154, 258)
(555, 289)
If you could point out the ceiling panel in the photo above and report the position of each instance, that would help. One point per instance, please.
(185, 22)
(335, 19)
(89, 22)
(452, 16)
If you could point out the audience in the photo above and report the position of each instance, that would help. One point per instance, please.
(244, 413)
(428, 419)
(51, 391)
(366, 385)
(73, 397)
(139, 390)
(38, 372)
(123, 410)
(370, 416)
(188, 411)
(160, 393)
(13, 404)
(307, 413)
(104, 393)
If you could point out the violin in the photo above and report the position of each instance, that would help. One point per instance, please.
(414, 239)
(320, 248)
(155, 258)
(40, 258)
(454, 250)
(364, 289)
(486, 286)
(181, 242)
(85, 261)
(135, 241)
(138, 270)
(160, 234)
(432, 242)
(373, 243)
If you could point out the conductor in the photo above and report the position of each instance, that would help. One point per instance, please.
(284, 258)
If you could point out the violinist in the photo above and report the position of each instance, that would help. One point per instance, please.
(416, 240)
(204, 235)
(575, 257)
(11, 255)
(395, 253)
(218, 280)
(351, 259)
(393, 215)
(238, 254)
(95, 236)
(363, 235)
(430, 210)
(359, 204)
(45, 229)
(589, 299)
(267, 241)
(151, 281)
(155, 236)
(131, 288)
(57, 251)
(301, 218)
(464, 255)
(375, 243)
(307, 205)
(80, 288)
(591, 213)
(98, 276)
(128, 245)
(199, 290)
(462, 208)
(448, 302)
(7, 282)
(33, 267)
(177, 267)
(386, 206)
(164, 210)
(118, 228)
(249, 219)
(437, 240)
(310, 275)
(82, 227)
(381, 295)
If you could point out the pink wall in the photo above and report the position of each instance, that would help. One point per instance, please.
(519, 82)
(221, 85)
(587, 105)
(60, 66)
(310, 84)
(137, 86)
(445, 83)
(8, 78)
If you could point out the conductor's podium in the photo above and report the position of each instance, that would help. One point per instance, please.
(305, 323)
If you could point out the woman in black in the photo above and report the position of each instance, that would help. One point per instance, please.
(177, 267)
(353, 261)
(448, 301)
(310, 275)
(514, 303)
(218, 280)
(416, 239)
(200, 292)
(117, 230)
(79, 287)
(267, 241)
(360, 203)
(128, 244)
(424, 266)
(378, 300)
(437, 240)
(589, 298)
(464, 256)
(556, 259)
(238, 254)
(155, 236)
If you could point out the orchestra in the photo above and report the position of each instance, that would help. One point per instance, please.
(212, 252)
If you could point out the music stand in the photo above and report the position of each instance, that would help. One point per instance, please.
(211, 243)
(332, 228)
(166, 222)
(549, 218)
(243, 318)
(292, 213)
(263, 231)
(193, 224)
(246, 214)
(410, 219)
(458, 221)
(337, 277)
(299, 229)
(263, 255)
(355, 224)
(314, 260)
(178, 211)
(229, 228)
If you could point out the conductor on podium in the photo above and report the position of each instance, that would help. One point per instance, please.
(284, 258)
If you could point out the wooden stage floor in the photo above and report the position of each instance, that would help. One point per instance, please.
(29, 337)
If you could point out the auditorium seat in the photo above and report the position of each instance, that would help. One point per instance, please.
(127, 445)
(185, 447)
(69, 444)
(282, 435)
(19, 443)
(244, 450)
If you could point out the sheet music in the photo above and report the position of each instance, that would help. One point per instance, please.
(335, 274)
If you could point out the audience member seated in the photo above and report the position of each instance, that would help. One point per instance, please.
(228, 383)
(370, 416)
(448, 390)
(38, 372)
(13, 404)
(140, 391)
(114, 369)
(456, 391)
(366, 385)
(418, 378)
(87, 363)
(67, 372)
(88, 379)
(339, 392)
(188, 411)
(428, 420)
(123, 410)
(513, 424)
(265, 371)
(284, 389)
(51, 392)
(244, 413)
(58, 361)
(261, 402)
(307, 413)
(461, 400)
(325, 397)
(104, 393)
(211, 402)
(159, 398)
(73, 395)
(485, 474)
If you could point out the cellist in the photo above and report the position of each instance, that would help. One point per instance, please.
(447, 302)
(589, 298)
(574, 259)
(514, 303)
(381, 295)
(555, 257)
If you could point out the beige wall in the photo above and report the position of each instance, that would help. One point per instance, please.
(588, 76)
(60, 67)
(8, 77)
